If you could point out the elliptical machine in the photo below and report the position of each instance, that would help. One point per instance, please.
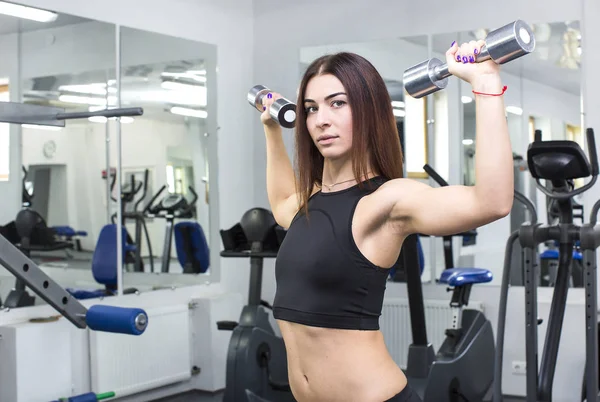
(170, 207)
(558, 162)
(256, 359)
(128, 193)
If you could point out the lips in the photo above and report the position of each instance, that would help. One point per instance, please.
(326, 137)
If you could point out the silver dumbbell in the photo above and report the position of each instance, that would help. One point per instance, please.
(502, 45)
(282, 110)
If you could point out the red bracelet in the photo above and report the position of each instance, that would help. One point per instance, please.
(500, 94)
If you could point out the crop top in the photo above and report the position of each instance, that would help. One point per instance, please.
(322, 278)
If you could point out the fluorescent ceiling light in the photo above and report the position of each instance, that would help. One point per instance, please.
(466, 99)
(28, 13)
(39, 127)
(92, 89)
(514, 110)
(468, 142)
(398, 112)
(189, 112)
(185, 75)
(397, 104)
(87, 100)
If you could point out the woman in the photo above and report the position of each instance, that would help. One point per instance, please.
(349, 211)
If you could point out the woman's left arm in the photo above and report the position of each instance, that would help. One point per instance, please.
(452, 209)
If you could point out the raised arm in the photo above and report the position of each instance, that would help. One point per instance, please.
(452, 209)
(280, 174)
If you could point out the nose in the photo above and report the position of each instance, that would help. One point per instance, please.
(322, 118)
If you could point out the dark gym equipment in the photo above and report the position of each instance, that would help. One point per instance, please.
(505, 44)
(558, 162)
(256, 359)
(170, 207)
(32, 235)
(464, 364)
(463, 367)
(282, 110)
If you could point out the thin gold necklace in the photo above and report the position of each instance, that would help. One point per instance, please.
(330, 186)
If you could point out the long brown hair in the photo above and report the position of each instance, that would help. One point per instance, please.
(374, 133)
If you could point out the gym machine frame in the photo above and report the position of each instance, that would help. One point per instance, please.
(133, 321)
(530, 235)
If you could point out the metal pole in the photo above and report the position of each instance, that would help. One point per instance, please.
(107, 149)
(119, 166)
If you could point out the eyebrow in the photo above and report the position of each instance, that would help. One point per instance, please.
(327, 97)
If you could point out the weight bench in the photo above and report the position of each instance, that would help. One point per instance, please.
(192, 249)
(104, 265)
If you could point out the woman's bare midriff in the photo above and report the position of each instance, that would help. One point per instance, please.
(330, 365)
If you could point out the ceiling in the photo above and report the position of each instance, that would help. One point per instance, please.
(10, 25)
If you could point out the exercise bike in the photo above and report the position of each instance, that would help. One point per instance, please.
(463, 367)
(256, 358)
(558, 162)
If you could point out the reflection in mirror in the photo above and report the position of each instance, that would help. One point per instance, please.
(165, 156)
(61, 167)
(391, 58)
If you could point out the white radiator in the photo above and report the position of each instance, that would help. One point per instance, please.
(396, 328)
(127, 364)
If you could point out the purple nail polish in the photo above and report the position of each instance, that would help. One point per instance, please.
(464, 59)
(472, 59)
(458, 57)
(475, 51)
(264, 108)
(269, 96)
(452, 43)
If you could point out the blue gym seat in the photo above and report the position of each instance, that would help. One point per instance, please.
(192, 249)
(465, 276)
(553, 255)
(104, 264)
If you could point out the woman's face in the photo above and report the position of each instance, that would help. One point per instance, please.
(328, 116)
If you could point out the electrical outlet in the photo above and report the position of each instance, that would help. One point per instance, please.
(519, 367)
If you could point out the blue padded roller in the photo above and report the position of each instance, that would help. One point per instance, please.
(463, 276)
(130, 321)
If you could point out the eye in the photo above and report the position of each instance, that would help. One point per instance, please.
(310, 109)
(338, 103)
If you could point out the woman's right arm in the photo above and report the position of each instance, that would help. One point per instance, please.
(281, 188)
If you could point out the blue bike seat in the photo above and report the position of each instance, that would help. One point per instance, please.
(464, 276)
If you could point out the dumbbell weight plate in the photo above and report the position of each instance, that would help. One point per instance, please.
(420, 81)
(282, 110)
